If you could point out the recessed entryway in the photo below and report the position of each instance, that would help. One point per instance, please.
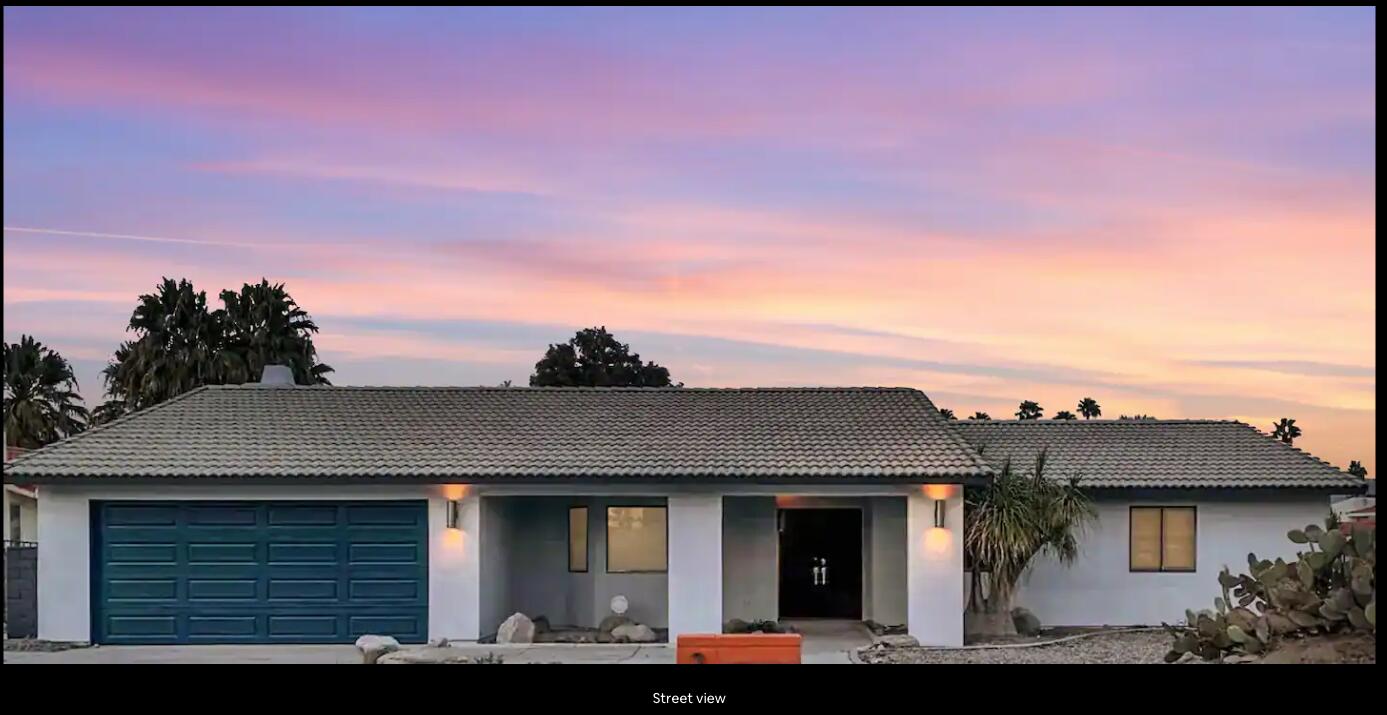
(820, 563)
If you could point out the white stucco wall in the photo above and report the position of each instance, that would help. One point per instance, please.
(1100, 589)
(64, 570)
(695, 564)
(934, 567)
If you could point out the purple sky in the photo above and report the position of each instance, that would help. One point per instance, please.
(1172, 211)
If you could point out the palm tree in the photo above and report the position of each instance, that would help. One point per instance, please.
(41, 403)
(1357, 469)
(1006, 525)
(177, 348)
(1063, 415)
(980, 416)
(1285, 430)
(180, 345)
(264, 326)
(1088, 407)
(1029, 410)
(947, 413)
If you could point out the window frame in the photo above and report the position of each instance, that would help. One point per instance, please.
(587, 539)
(1162, 568)
(607, 537)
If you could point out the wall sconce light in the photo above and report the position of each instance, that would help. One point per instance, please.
(454, 513)
(939, 508)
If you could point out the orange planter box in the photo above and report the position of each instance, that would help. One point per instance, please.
(740, 648)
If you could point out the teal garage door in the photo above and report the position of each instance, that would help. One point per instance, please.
(259, 572)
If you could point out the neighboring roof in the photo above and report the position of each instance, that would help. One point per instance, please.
(437, 434)
(1154, 453)
(1371, 509)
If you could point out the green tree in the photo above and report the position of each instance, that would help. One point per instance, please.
(1029, 410)
(1063, 415)
(1088, 407)
(262, 325)
(1285, 430)
(181, 345)
(1357, 469)
(1006, 525)
(980, 416)
(594, 358)
(947, 413)
(41, 403)
(1137, 418)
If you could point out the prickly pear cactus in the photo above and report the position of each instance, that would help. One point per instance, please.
(1330, 588)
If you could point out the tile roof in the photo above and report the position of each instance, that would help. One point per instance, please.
(479, 433)
(1154, 453)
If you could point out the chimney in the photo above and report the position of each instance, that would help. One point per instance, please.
(277, 376)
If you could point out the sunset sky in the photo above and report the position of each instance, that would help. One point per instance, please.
(1170, 211)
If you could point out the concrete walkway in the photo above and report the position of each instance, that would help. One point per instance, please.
(824, 642)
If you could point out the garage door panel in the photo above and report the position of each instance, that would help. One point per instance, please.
(303, 553)
(166, 553)
(143, 590)
(208, 552)
(303, 590)
(246, 572)
(304, 515)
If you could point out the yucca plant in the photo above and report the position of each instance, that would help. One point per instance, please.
(1007, 524)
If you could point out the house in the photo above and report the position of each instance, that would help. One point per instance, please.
(21, 508)
(1177, 500)
(1358, 507)
(264, 513)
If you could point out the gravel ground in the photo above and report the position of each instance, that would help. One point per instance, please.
(1144, 647)
(33, 644)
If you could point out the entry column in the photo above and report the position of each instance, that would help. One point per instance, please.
(695, 565)
(934, 565)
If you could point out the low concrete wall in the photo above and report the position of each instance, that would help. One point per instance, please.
(21, 591)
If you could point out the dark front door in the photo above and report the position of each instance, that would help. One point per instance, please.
(821, 563)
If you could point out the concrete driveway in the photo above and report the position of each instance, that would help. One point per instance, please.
(824, 642)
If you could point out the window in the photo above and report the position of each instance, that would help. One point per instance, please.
(1162, 538)
(578, 539)
(636, 539)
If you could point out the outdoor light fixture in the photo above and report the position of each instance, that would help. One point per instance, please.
(454, 509)
(939, 513)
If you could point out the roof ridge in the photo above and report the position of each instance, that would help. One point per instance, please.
(103, 426)
(574, 388)
(1106, 422)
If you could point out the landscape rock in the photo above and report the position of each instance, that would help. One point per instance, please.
(610, 623)
(736, 625)
(438, 642)
(1027, 624)
(633, 633)
(373, 647)
(516, 629)
(898, 640)
(542, 624)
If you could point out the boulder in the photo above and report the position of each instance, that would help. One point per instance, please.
(427, 656)
(373, 647)
(516, 629)
(898, 640)
(736, 625)
(633, 633)
(542, 624)
(610, 623)
(1026, 622)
